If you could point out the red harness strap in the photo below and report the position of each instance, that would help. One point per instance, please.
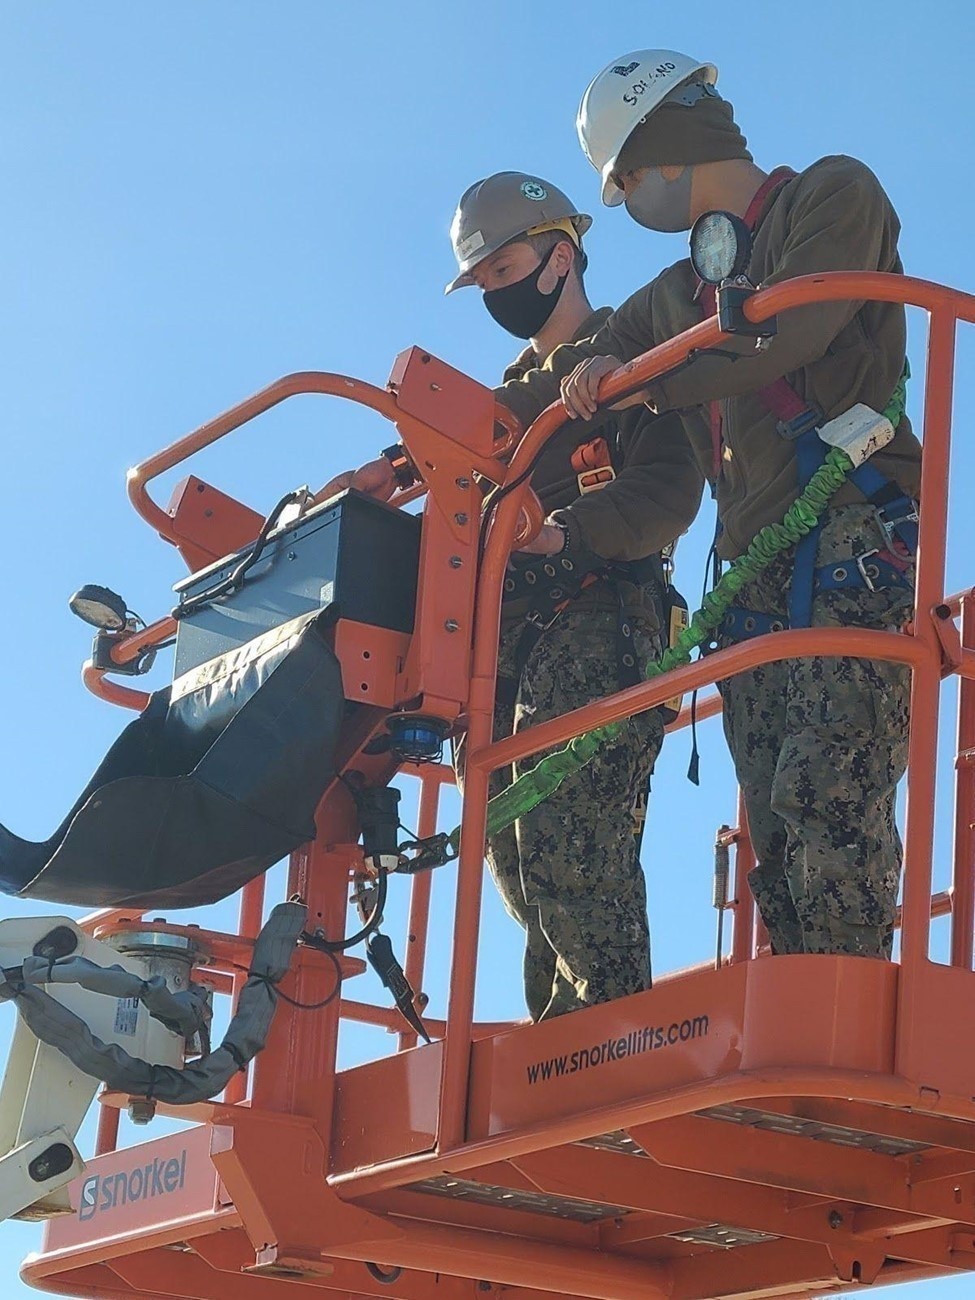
(779, 397)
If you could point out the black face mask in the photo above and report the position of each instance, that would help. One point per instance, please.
(521, 308)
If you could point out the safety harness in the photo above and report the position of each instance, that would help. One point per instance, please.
(799, 422)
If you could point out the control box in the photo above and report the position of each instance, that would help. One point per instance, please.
(352, 552)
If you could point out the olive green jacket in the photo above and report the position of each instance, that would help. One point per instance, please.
(834, 216)
(650, 503)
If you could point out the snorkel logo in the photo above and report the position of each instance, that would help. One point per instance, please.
(104, 1192)
(89, 1198)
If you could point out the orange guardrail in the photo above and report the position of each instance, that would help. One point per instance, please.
(874, 1051)
(924, 650)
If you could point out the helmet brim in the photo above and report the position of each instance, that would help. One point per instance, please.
(581, 220)
(612, 196)
(463, 281)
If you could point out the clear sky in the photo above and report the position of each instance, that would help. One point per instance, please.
(200, 198)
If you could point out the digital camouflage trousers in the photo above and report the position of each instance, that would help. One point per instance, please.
(819, 746)
(569, 873)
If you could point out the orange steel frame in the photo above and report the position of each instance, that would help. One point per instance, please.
(775, 1127)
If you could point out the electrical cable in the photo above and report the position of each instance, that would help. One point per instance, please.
(373, 921)
(235, 579)
(293, 1002)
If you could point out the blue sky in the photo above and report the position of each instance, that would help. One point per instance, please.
(200, 198)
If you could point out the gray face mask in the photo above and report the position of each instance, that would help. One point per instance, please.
(662, 205)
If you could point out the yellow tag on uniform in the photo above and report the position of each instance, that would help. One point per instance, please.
(679, 619)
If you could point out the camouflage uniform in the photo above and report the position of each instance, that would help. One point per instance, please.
(569, 873)
(819, 746)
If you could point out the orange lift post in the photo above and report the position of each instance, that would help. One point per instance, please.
(778, 1126)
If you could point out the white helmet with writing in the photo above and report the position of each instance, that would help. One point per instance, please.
(625, 93)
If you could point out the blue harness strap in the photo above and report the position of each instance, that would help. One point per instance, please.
(870, 571)
(897, 512)
(810, 454)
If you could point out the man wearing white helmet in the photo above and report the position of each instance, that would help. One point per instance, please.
(819, 745)
(580, 616)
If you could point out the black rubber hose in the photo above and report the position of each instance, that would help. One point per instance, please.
(374, 921)
(385, 1275)
(235, 579)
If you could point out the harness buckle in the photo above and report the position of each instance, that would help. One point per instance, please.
(891, 525)
(539, 622)
(868, 572)
(591, 480)
(805, 422)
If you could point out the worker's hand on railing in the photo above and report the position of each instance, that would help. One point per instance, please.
(549, 540)
(375, 478)
(580, 389)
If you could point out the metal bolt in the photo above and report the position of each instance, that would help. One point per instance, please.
(141, 1110)
(835, 1219)
(456, 562)
(422, 1000)
(463, 482)
(460, 517)
(435, 388)
(484, 1286)
(292, 555)
(451, 625)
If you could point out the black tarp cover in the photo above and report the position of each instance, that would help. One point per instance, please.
(214, 782)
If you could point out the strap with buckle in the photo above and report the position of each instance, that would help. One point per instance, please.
(873, 570)
(808, 420)
(896, 511)
(591, 480)
(900, 522)
(593, 465)
(876, 570)
(549, 583)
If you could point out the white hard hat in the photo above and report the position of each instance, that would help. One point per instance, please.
(621, 96)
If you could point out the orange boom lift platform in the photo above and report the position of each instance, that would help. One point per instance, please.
(778, 1126)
